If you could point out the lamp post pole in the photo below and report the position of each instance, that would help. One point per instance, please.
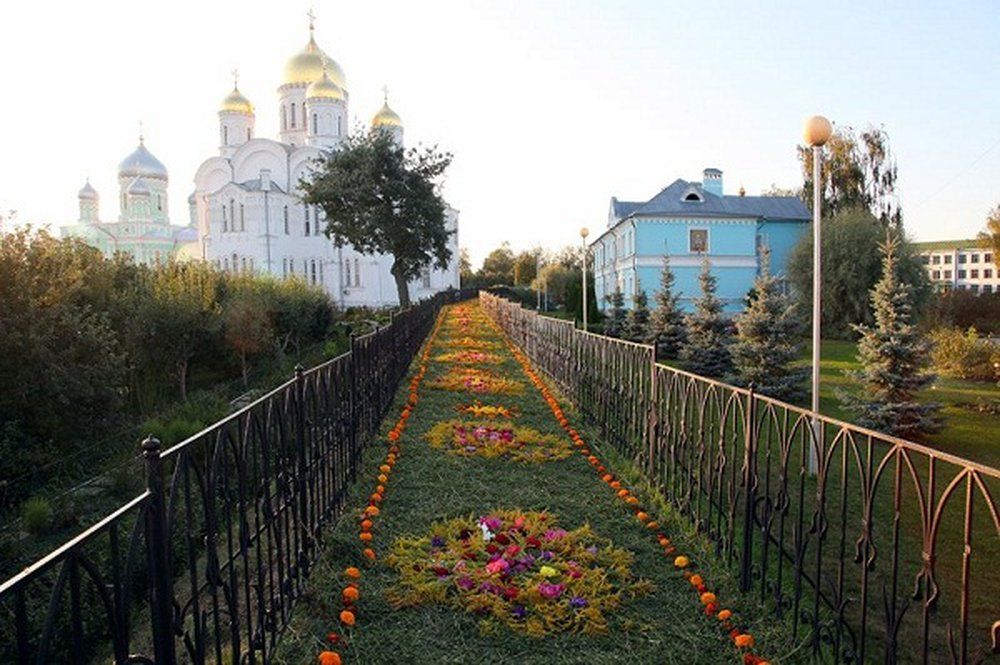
(584, 232)
(817, 133)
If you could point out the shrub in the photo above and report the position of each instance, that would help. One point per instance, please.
(964, 355)
(36, 515)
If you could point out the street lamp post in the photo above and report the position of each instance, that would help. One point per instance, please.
(817, 133)
(584, 232)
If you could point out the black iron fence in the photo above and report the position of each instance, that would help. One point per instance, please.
(206, 564)
(871, 548)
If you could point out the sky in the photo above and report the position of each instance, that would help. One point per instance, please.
(550, 107)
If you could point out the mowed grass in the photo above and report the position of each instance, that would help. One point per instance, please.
(430, 485)
(966, 433)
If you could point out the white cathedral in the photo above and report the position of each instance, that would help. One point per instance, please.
(247, 207)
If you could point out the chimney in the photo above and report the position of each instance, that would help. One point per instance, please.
(265, 180)
(712, 181)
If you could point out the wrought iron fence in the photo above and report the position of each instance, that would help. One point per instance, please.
(206, 564)
(871, 548)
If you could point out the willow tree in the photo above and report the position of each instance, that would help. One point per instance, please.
(384, 199)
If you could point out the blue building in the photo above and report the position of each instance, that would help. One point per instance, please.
(689, 221)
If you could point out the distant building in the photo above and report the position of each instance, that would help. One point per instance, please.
(960, 264)
(689, 221)
(247, 205)
(142, 230)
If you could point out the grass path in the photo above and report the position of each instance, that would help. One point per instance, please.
(422, 593)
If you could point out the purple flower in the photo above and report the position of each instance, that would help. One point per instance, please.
(470, 448)
(519, 612)
(578, 602)
(546, 555)
(437, 541)
(551, 591)
(555, 534)
(466, 583)
(592, 549)
(491, 523)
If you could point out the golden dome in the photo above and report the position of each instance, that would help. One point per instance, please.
(386, 117)
(235, 101)
(324, 88)
(307, 66)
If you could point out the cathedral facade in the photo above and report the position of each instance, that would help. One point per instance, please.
(142, 230)
(247, 205)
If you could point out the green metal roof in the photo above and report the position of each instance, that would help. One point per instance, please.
(947, 244)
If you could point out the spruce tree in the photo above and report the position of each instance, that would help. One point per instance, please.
(767, 340)
(706, 350)
(637, 319)
(614, 325)
(666, 323)
(893, 356)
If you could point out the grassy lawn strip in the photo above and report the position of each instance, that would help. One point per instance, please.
(428, 485)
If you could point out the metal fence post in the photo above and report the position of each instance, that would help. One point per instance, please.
(652, 425)
(749, 489)
(161, 599)
(301, 477)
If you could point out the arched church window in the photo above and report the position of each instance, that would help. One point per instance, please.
(312, 277)
(321, 272)
(284, 118)
(304, 123)
(286, 220)
(243, 226)
(225, 264)
(159, 202)
(315, 124)
(347, 272)
(234, 263)
(225, 135)
(232, 213)
(293, 114)
(338, 125)
(243, 264)
(357, 273)
(225, 220)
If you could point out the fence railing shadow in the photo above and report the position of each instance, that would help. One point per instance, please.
(871, 548)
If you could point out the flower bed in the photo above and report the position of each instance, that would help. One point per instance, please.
(517, 569)
(480, 410)
(486, 439)
(477, 381)
(470, 357)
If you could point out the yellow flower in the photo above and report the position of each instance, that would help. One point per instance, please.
(548, 571)
(681, 562)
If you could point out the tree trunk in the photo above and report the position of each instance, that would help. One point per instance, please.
(243, 361)
(182, 372)
(402, 288)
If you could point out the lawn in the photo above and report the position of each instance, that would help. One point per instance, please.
(967, 433)
(511, 536)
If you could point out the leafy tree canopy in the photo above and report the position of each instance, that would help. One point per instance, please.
(382, 198)
(989, 238)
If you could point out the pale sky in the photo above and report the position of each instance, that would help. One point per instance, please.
(550, 107)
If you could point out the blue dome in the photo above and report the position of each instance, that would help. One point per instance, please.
(141, 163)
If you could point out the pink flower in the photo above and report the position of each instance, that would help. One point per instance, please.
(551, 591)
(497, 566)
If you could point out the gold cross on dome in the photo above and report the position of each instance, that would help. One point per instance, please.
(312, 18)
(385, 93)
(236, 78)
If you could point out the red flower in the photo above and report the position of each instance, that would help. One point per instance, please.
(502, 539)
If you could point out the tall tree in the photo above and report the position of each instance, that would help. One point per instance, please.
(247, 323)
(526, 266)
(498, 266)
(990, 238)
(382, 198)
(768, 333)
(706, 349)
(859, 171)
(893, 356)
(666, 323)
(851, 267)
(614, 324)
(637, 319)
(465, 272)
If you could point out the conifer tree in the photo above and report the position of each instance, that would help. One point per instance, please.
(893, 356)
(666, 323)
(614, 325)
(637, 319)
(767, 339)
(706, 350)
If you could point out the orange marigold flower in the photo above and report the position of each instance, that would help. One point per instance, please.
(394, 435)
(682, 562)
(351, 593)
(370, 553)
(347, 617)
(623, 493)
(615, 484)
(376, 497)
(708, 598)
(607, 477)
(653, 525)
(366, 525)
(380, 489)
(641, 516)
(372, 510)
(696, 580)
(632, 501)
(329, 658)
(744, 641)
(385, 468)
(382, 478)
(365, 536)
(724, 615)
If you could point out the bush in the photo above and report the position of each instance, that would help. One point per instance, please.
(965, 355)
(36, 515)
(963, 310)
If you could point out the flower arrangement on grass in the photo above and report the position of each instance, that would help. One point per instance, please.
(470, 357)
(471, 379)
(486, 439)
(517, 569)
(480, 410)
(467, 342)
